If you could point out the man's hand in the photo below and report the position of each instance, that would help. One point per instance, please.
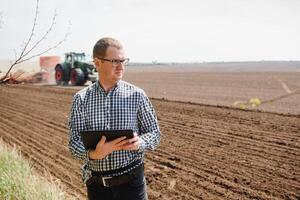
(133, 143)
(104, 148)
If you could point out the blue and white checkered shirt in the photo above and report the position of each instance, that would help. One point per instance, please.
(124, 107)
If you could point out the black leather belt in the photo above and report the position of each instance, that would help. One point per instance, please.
(109, 181)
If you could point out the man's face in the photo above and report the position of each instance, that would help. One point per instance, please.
(106, 70)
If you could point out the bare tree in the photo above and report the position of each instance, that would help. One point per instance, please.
(28, 47)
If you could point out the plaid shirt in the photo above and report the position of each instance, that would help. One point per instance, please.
(124, 107)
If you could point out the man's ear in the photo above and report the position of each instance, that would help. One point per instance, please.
(95, 61)
(97, 64)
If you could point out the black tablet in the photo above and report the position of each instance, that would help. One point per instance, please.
(90, 139)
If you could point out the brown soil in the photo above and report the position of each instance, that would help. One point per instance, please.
(279, 92)
(206, 152)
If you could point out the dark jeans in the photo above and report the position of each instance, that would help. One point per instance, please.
(133, 190)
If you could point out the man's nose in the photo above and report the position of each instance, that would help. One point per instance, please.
(120, 65)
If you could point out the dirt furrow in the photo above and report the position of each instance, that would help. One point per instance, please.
(234, 133)
(221, 137)
(206, 152)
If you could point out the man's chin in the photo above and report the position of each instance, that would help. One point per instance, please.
(119, 75)
(117, 78)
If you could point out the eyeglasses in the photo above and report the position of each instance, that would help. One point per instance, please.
(116, 62)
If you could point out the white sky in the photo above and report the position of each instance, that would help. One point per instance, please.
(166, 31)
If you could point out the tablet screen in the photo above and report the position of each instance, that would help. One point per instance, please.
(90, 139)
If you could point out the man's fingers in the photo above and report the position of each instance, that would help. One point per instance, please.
(134, 139)
(136, 145)
(132, 146)
(128, 142)
(122, 143)
(103, 139)
(116, 141)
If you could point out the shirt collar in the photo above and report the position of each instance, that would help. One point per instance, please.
(115, 88)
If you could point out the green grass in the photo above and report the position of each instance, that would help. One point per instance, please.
(18, 181)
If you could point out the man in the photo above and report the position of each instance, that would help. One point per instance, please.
(114, 170)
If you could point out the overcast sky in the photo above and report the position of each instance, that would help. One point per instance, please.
(161, 30)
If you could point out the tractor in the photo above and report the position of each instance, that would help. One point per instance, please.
(75, 69)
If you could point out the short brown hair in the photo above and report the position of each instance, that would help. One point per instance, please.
(102, 45)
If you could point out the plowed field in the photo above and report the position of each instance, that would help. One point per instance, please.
(206, 152)
(278, 91)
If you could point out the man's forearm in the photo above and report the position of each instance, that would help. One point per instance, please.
(77, 149)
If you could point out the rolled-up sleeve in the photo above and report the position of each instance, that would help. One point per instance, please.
(148, 124)
(76, 125)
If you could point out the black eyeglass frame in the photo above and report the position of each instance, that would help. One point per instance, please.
(115, 62)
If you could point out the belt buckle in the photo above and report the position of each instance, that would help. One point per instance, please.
(104, 181)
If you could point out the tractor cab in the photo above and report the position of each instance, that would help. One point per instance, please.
(72, 57)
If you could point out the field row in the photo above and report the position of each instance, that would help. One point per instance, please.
(206, 152)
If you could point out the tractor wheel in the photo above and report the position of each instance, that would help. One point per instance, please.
(59, 75)
(77, 77)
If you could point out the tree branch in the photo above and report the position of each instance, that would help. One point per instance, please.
(33, 27)
(43, 37)
(26, 52)
(47, 50)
